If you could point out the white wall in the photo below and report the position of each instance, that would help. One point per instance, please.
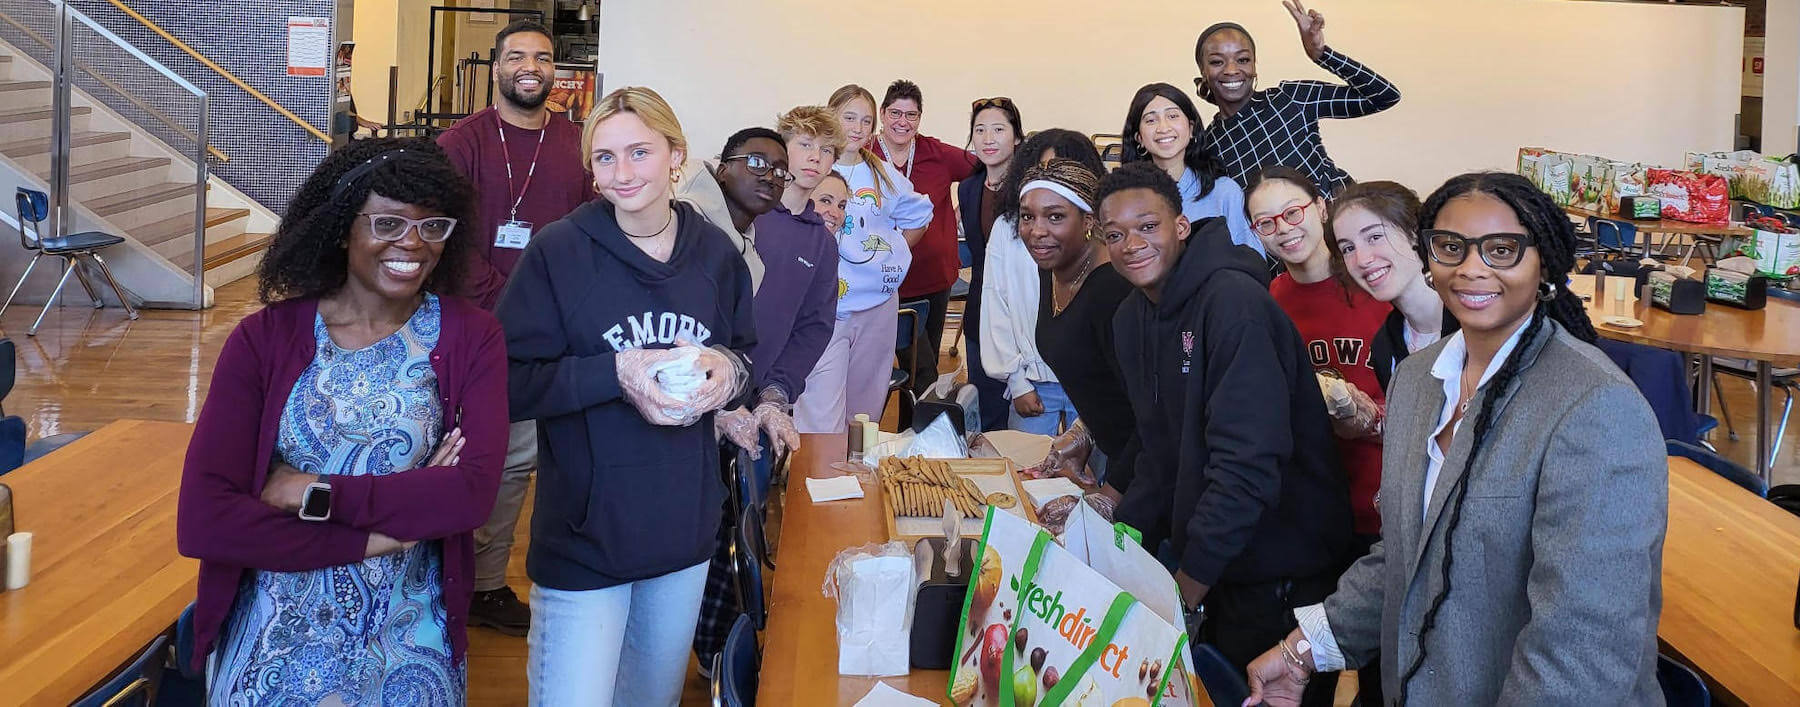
(1781, 78)
(1480, 78)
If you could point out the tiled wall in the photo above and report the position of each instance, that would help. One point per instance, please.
(269, 155)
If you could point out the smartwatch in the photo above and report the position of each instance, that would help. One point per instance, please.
(315, 504)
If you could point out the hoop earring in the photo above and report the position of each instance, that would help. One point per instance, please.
(1546, 292)
(675, 176)
(1429, 282)
(1141, 151)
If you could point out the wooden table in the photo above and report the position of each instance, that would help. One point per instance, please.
(1769, 336)
(800, 646)
(1730, 565)
(105, 576)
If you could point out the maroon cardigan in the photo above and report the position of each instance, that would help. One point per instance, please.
(222, 521)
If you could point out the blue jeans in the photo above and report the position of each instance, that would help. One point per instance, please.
(1059, 413)
(623, 645)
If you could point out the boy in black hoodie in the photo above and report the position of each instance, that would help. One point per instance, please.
(1239, 467)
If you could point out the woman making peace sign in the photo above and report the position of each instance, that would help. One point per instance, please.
(1280, 125)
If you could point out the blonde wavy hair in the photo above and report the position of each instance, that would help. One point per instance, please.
(818, 121)
(648, 106)
(843, 97)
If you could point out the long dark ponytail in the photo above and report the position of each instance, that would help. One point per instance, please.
(1554, 237)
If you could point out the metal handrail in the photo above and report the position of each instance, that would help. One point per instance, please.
(116, 88)
(63, 146)
(258, 95)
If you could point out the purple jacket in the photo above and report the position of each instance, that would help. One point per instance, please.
(222, 522)
(796, 306)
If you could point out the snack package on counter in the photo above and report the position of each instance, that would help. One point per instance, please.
(1623, 179)
(1771, 181)
(875, 586)
(1690, 196)
(1042, 627)
(1588, 177)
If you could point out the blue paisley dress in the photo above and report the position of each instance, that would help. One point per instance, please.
(373, 632)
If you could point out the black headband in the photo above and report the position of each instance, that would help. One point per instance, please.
(1220, 27)
(340, 193)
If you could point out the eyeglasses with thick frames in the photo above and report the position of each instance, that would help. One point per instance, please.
(760, 166)
(393, 227)
(1498, 250)
(1292, 215)
(911, 116)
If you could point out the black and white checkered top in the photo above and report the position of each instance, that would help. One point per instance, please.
(1281, 125)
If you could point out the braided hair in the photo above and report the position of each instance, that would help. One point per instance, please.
(1069, 173)
(306, 257)
(1069, 145)
(1554, 238)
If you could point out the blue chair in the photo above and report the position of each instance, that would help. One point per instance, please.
(182, 685)
(136, 685)
(1732, 471)
(747, 557)
(1224, 683)
(33, 207)
(1618, 236)
(1681, 686)
(735, 668)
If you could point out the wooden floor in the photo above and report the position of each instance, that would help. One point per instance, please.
(87, 367)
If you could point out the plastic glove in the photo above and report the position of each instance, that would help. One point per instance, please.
(739, 426)
(725, 378)
(1354, 414)
(783, 437)
(1068, 458)
(638, 381)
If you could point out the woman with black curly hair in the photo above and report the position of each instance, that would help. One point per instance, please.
(350, 444)
(1520, 562)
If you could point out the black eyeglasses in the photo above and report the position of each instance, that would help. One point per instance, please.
(760, 166)
(1498, 250)
(981, 104)
(392, 227)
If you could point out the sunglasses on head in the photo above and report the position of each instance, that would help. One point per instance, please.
(981, 104)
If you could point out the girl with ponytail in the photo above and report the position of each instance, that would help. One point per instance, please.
(1525, 489)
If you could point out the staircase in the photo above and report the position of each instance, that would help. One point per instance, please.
(127, 181)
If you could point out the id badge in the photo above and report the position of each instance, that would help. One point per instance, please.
(513, 234)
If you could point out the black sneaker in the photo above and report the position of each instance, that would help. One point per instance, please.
(501, 610)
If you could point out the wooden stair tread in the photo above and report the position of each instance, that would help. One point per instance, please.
(121, 202)
(227, 250)
(177, 226)
(83, 173)
(20, 115)
(36, 145)
(22, 85)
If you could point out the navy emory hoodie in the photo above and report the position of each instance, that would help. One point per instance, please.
(1239, 468)
(618, 499)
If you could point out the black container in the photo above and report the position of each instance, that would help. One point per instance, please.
(937, 612)
(1684, 296)
(1641, 208)
(1756, 292)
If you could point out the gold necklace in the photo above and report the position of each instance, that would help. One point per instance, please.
(1073, 287)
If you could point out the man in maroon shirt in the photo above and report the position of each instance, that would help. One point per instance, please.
(933, 167)
(525, 163)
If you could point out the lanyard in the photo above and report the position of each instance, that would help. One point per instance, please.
(504, 153)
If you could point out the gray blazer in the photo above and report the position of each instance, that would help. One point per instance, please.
(1556, 583)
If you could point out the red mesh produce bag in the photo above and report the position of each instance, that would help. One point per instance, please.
(1691, 197)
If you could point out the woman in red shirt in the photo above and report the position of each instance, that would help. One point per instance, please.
(1337, 321)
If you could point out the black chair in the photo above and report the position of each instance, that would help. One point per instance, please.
(1732, 471)
(909, 337)
(33, 207)
(735, 668)
(747, 558)
(1681, 686)
(1224, 684)
(136, 685)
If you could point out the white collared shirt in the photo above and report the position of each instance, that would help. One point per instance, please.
(1327, 657)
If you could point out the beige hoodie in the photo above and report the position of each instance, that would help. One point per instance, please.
(699, 188)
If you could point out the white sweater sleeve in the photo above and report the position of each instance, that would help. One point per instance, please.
(1006, 312)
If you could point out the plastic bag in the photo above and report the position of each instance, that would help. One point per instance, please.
(875, 586)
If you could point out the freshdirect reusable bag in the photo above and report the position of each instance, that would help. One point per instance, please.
(1041, 627)
(1587, 182)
